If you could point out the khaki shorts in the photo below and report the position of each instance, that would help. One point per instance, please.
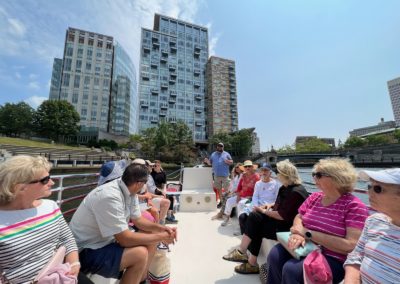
(221, 182)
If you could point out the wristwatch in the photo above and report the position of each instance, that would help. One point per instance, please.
(308, 235)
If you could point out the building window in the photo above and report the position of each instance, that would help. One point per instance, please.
(100, 44)
(90, 42)
(77, 81)
(66, 79)
(71, 37)
(81, 40)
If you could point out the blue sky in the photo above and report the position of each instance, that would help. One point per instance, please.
(302, 67)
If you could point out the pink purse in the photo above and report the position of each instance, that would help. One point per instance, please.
(316, 269)
(55, 271)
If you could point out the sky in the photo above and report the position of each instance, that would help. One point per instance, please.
(303, 67)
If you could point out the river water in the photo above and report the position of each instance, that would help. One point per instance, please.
(308, 182)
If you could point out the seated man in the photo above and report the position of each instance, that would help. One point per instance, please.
(100, 226)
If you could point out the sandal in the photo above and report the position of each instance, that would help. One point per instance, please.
(247, 268)
(236, 256)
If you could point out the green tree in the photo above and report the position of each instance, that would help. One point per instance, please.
(377, 140)
(354, 141)
(16, 119)
(287, 149)
(55, 119)
(313, 145)
(237, 143)
(396, 135)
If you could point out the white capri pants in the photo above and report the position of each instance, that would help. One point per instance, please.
(231, 203)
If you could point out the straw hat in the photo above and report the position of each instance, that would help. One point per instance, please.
(248, 163)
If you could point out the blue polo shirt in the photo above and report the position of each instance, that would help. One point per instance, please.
(220, 168)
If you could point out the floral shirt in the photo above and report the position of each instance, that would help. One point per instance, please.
(246, 185)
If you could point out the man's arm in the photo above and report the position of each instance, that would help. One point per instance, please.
(128, 238)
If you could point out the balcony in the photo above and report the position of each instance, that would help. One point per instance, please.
(233, 103)
(172, 81)
(234, 110)
(232, 79)
(164, 52)
(173, 74)
(154, 64)
(146, 48)
(163, 106)
(197, 53)
(173, 49)
(198, 110)
(144, 104)
(154, 38)
(172, 119)
(154, 91)
(163, 59)
(199, 123)
(156, 44)
(164, 86)
(196, 72)
(171, 100)
(197, 47)
(232, 84)
(196, 84)
(162, 113)
(172, 94)
(172, 67)
(198, 97)
(172, 43)
(154, 120)
(145, 76)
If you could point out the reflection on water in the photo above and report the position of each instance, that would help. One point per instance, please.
(308, 182)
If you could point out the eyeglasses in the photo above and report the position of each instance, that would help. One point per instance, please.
(319, 175)
(248, 167)
(43, 181)
(376, 188)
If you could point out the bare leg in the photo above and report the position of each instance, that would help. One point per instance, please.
(243, 248)
(164, 206)
(134, 262)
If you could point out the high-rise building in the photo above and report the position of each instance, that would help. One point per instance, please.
(222, 113)
(394, 93)
(98, 79)
(381, 126)
(56, 79)
(173, 58)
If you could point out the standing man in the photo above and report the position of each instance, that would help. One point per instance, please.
(100, 225)
(220, 161)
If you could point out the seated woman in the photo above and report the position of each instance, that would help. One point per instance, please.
(265, 223)
(376, 257)
(244, 192)
(236, 174)
(265, 193)
(31, 228)
(332, 218)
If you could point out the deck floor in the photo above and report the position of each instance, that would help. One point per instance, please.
(197, 256)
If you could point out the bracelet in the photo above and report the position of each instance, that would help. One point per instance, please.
(76, 263)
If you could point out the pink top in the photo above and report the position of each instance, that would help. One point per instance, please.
(347, 211)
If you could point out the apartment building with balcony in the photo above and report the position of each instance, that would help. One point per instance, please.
(173, 59)
(222, 110)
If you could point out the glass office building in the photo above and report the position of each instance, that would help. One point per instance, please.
(172, 75)
(124, 99)
(98, 78)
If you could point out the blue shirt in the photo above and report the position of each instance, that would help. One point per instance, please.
(220, 168)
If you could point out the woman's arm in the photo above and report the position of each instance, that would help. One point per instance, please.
(352, 274)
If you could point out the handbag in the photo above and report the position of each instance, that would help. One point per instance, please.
(316, 269)
(55, 271)
(283, 239)
(159, 269)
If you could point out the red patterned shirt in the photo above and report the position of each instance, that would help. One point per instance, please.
(246, 185)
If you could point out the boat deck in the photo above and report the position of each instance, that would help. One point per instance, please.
(197, 256)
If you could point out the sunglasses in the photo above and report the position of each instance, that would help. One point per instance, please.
(248, 167)
(319, 175)
(376, 188)
(43, 181)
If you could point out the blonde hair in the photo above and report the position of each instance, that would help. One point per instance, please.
(342, 172)
(19, 169)
(288, 172)
(233, 172)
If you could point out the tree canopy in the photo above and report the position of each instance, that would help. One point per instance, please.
(237, 143)
(313, 145)
(55, 119)
(16, 119)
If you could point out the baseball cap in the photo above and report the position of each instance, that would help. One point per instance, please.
(220, 144)
(266, 166)
(139, 161)
(391, 176)
(149, 163)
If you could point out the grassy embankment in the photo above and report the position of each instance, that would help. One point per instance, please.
(31, 143)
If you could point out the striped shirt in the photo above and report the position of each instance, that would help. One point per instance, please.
(347, 212)
(29, 237)
(378, 251)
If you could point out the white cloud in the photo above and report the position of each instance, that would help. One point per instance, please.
(34, 85)
(17, 75)
(16, 27)
(35, 101)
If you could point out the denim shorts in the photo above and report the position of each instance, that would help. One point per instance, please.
(105, 261)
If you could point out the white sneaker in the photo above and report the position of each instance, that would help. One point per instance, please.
(225, 222)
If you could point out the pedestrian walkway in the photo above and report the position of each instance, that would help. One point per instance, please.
(197, 256)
